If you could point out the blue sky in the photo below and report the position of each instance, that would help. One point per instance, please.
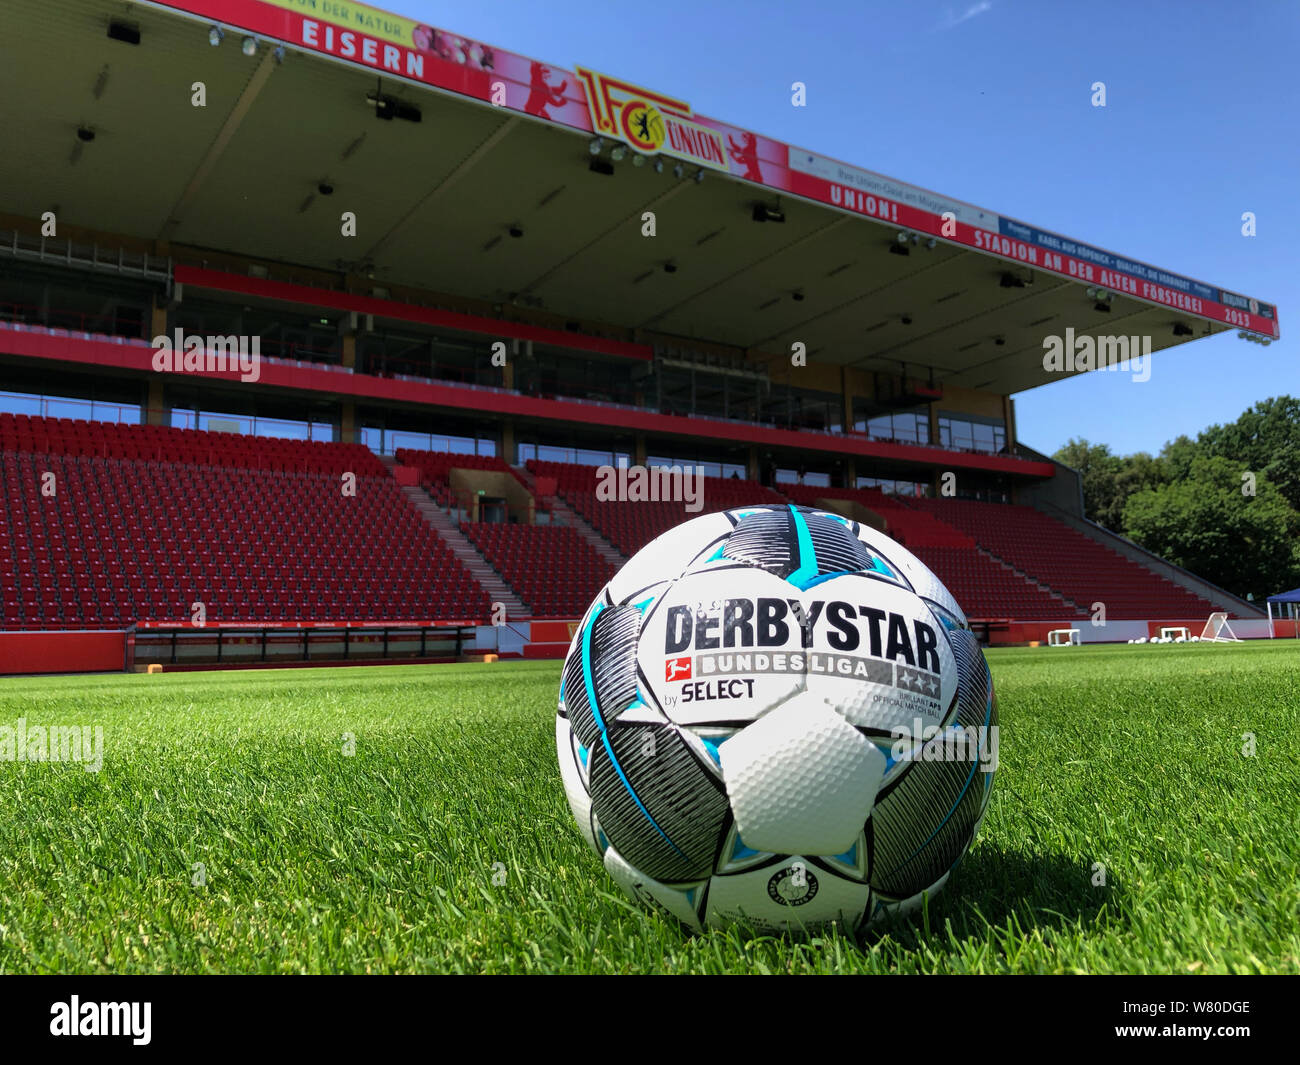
(989, 101)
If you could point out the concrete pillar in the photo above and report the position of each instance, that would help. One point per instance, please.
(158, 321)
(639, 453)
(348, 420)
(350, 351)
(507, 451)
(846, 392)
(752, 472)
(155, 408)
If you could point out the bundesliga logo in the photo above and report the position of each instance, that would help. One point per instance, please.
(677, 669)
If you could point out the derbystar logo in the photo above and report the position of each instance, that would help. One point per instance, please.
(770, 622)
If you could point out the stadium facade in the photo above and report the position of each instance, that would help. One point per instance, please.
(256, 248)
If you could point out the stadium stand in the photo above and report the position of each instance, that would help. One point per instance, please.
(140, 522)
(1072, 564)
(985, 588)
(435, 469)
(628, 525)
(550, 567)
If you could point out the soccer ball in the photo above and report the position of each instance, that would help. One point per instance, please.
(776, 717)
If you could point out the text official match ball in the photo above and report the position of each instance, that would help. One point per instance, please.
(770, 716)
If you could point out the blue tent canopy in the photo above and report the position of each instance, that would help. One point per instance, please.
(1293, 596)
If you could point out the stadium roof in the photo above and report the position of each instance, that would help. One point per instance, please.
(504, 142)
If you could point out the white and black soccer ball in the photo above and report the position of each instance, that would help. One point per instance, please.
(778, 717)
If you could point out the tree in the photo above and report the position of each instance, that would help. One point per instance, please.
(1265, 439)
(1177, 455)
(1204, 523)
(1108, 480)
(1097, 469)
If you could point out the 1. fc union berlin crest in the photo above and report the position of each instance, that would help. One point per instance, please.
(650, 122)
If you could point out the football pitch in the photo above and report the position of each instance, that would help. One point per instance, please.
(1145, 818)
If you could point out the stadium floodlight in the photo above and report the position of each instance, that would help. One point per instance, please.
(279, 53)
(215, 36)
(931, 244)
(902, 238)
(618, 154)
(596, 146)
(659, 166)
(1091, 293)
(249, 46)
(699, 176)
(638, 159)
(678, 171)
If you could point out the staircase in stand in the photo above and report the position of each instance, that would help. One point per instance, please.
(1030, 579)
(488, 578)
(566, 515)
(569, 516)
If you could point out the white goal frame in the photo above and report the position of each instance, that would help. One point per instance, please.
(1071, 637)
(1171, 632)
(1217, 629)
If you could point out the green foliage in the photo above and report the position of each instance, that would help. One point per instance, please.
(1098, 470)
(1187, 504)
(1209, 524)
(1265, 439)
(1127, 758)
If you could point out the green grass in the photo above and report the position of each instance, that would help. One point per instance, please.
(383, 861)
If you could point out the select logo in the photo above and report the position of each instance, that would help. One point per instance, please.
(678, 668)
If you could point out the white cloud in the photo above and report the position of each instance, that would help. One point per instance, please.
(952, 19)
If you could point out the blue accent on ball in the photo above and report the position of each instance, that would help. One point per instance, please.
(582, 754)
(803, 577)
(604, 734)
(712, 745)
(824, 577)
(849, 857)
(880, 566)
(741, 851)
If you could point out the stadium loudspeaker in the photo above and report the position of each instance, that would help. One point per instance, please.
(124, 32)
